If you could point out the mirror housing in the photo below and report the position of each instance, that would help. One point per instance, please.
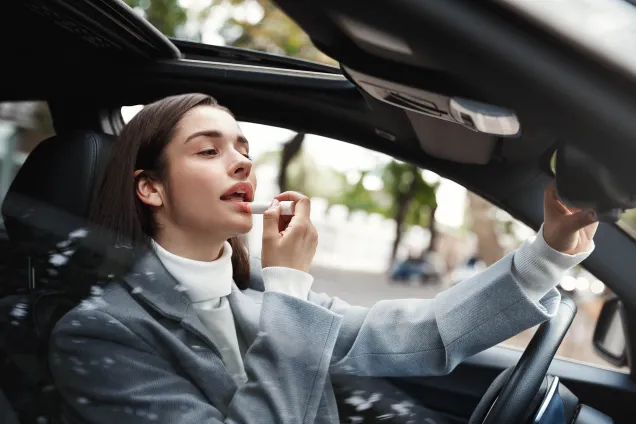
(610, 338)
(584, 182)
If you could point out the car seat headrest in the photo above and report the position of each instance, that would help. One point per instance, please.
(49, 199)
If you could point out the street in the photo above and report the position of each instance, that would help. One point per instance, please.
(365, 289)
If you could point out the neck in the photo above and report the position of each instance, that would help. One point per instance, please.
(196, 247)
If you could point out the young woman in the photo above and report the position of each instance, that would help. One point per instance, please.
(182, 338)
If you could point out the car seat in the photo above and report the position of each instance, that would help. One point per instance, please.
(45, 213)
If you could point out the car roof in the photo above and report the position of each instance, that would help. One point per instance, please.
(108, 51)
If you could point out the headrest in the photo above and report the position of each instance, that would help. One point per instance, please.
(50, 196)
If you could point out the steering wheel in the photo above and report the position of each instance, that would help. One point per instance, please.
(512, 396)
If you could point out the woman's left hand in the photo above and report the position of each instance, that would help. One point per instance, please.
(569, 231)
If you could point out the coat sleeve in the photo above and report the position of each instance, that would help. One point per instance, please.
(108, 374)
(428, 337)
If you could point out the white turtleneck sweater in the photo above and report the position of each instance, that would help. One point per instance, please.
(209, 283)
(536, 267)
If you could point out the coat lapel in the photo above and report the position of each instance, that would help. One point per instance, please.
(151, 282)
(246, 308)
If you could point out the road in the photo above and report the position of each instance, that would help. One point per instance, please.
(365, 289)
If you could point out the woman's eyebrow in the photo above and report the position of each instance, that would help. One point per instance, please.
(213, 134)
(204, 133)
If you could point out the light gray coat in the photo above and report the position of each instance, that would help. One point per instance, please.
(138, 352)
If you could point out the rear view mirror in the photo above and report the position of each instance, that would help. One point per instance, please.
(609, 335)
(485, 118)
(584, 182)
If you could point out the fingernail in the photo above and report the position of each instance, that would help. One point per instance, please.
(275, 202)
(592, 215)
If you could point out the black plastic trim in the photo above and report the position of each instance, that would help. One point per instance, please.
(198, 51)
(111, 20)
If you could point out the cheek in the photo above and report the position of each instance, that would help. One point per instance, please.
(253, 180)
(196, 181)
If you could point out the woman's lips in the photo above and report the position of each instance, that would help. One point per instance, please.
(234, 199)
(240, 205)
(242, 190)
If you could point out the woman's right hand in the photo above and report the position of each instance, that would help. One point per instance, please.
(289, 243)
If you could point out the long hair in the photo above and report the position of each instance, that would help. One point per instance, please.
(116, 209)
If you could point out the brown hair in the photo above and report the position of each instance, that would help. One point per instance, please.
(116, 209)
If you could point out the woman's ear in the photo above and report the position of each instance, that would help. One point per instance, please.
(148, 189)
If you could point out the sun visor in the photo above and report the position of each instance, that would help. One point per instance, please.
(473, 115)
(452, 128)
(446, 140)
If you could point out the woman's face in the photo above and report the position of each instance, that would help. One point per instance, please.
(209, 176)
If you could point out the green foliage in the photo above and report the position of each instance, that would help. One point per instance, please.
(398, 177)
(275, 32)
(166, 15)
(357, 198)
(628, 222)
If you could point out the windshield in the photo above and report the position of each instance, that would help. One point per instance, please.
(607, 28)
(257, 25)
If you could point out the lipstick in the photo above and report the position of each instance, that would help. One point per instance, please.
(286, 206)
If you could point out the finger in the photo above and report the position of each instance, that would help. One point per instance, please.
(552, 203)
(283, 222)
(298, 226)
(294, 196)
(270, 221)
(579, 220)
(302, 205)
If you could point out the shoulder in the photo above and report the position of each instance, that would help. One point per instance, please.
(105, 311)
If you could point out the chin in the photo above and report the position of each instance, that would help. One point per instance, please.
(240, 227)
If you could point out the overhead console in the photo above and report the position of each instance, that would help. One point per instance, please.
(475, 116)
(452, 128)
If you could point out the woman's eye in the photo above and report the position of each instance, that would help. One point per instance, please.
(208, 152)
(248, 156)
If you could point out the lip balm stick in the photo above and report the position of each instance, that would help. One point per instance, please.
(287, 207)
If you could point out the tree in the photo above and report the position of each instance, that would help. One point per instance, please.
(489, 250)
(275, 32)
(290, 150)
(356, 197)
(165, 15)
(413, 199)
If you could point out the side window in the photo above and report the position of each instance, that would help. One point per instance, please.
(22, 126)
(389, 230)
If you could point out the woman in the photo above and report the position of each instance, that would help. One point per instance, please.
(182, 338)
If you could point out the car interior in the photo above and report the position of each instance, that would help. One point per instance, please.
(481, 94)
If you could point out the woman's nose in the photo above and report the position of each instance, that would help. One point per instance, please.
(242, 167)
